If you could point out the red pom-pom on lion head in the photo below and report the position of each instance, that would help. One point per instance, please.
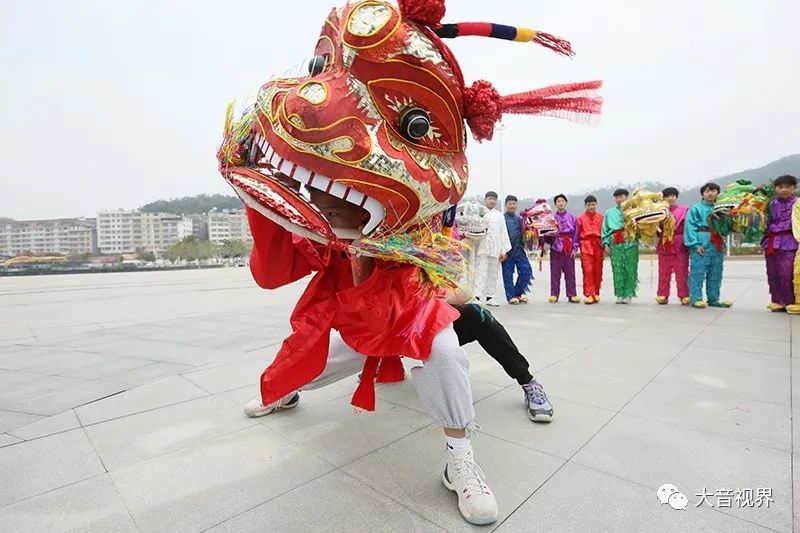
(427, 12)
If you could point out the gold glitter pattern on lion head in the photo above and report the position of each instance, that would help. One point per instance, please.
(646, 214)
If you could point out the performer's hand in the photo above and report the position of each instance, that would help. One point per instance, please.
(606, 252)
(458, 297)
(503, 256)
(700, 250)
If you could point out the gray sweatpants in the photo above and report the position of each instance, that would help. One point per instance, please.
(442, 382)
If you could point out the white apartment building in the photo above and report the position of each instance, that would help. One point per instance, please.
(228, 225)
(118, 231)
(159, 231)
(175, 228)
(126, 231)
(68, 236)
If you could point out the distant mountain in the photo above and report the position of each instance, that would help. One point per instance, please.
(191, 205)
(786, 165)
(203, 203)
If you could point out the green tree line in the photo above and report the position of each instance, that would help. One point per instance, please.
(190, 249)
(192, 205)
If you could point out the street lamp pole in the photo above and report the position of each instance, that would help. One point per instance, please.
(500, 128)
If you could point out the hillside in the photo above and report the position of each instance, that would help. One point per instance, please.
(190, 205)
(204, 203)
(786, 165)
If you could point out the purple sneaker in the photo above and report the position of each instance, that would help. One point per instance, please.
(539, 407)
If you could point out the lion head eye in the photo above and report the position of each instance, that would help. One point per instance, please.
(317, 65)
(415, 124)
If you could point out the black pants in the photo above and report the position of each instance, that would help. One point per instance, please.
(476, 324)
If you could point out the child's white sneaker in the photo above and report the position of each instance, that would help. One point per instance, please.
(463, 476)
(255, 408)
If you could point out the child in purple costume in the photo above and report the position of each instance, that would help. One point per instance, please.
(562, 252)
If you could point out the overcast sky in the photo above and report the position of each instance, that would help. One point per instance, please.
(109, 104)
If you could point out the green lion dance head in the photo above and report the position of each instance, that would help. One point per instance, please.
(742, 208)
(645, 214)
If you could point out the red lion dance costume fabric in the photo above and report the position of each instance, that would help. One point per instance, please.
(379, 122)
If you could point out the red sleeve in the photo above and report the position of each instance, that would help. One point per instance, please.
(277, 259)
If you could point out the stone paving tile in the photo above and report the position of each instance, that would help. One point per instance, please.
(8, 440)
(540, 351)
(729, 371)
(132, 439)
(578, 499)
(48, 360)
(163, 351)
(504, 415)
(106, 368)
(337, 433)
(145, 374)
(9, 378)
(254, 339)
(410, 472)
(726, 414)
(198, 487)
(605, 389)
(796, 484)
(53, 394)
(652, 453)
(341, 504)
(10, 420)
(713, 339)
(41, 465)
(625, 362)
(795, 373)
(167, 391)
(90, 505)
(230, 376)
(47, 426)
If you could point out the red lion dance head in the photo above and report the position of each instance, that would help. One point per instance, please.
(379, 121)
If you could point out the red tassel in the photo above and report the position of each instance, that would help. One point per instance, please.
(391, 370)
(556, 44)
(570, 101)
(364, 397)
(484, 107)
(566, 244)
(426, 12)
(716, 240)
(770, 244)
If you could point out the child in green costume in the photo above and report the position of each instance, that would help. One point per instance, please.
(624, 253)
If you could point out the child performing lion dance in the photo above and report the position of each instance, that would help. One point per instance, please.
(345, 173)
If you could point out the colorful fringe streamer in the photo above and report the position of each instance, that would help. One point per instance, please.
(438, 256)
(235, 134)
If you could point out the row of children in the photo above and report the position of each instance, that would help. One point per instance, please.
(695, 255)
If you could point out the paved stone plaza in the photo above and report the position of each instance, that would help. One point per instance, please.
(121, 395)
